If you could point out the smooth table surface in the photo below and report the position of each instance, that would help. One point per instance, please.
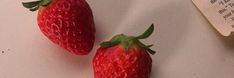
(187, 45)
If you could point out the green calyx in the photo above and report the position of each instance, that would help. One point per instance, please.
(35, 5)
(129, 41)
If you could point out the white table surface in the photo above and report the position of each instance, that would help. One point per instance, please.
(187, 45)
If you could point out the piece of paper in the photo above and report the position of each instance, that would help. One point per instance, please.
(220, 13)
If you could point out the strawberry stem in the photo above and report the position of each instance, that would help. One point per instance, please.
(128, 41)
(35, 5)
(147, 33)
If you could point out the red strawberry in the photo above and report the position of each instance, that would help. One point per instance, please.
(124, 57)
(68, 23)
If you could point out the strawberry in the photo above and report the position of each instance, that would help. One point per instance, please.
(124, 57)
(68, 23)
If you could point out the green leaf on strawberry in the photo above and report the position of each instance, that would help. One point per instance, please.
(35, 5)
(128, 41)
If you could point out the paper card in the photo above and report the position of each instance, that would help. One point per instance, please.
(220, 13)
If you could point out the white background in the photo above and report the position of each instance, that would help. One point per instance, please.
(187, 46)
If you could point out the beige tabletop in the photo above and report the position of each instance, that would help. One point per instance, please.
(187, 46)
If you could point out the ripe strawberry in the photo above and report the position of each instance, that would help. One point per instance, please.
(124, 57)
(68, 23)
